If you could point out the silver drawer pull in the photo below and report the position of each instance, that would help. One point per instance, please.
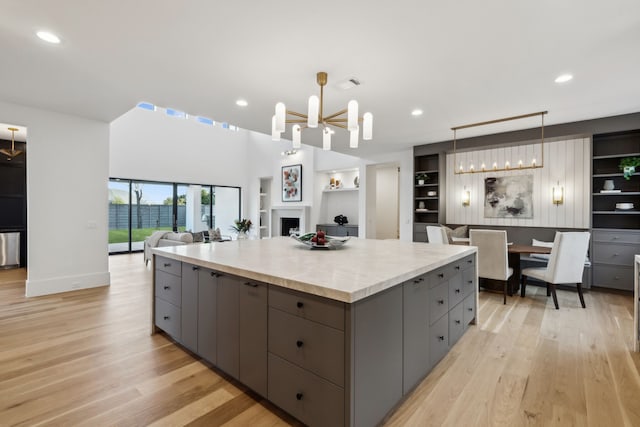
(469, 261)
(167, 264)
(253, 285)
(441, 338)
(457, 291)
(214, 274)
(441, 275)
(195, 268)
(470, 309)
(299, 304)
(470, 281)
(458, 322)
(299, 343)
(167, 317)
(299, 396)
(457, 267)
(166, 288)
(441, 301)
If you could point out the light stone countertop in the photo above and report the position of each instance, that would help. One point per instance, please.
(360, 268)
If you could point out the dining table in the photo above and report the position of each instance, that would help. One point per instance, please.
(514, 251)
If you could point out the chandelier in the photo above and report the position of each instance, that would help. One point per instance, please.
(460, 169)
(346, 119)
(13, 152)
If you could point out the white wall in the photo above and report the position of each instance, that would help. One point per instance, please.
(67, 173)
(566, 161)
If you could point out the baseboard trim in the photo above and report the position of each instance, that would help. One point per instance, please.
(57, 285)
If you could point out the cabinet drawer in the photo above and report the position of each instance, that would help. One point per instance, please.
(169, 287)
(438, 339)
(438, 302)
(310, 345)
(463, 264)
(469, 310)
(311, 399)
(168, 265)
(168, 318)
(456, 323)
(469, 281)
(626, 236)
(456, 290)
(613, 277)
(322, 310)
(440, 275)
(614, 254)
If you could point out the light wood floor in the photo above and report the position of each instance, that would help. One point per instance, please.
(86, 358)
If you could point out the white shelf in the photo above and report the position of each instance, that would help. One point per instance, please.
(263, 194)
(263, 211)
(263, 227)
(338, 190)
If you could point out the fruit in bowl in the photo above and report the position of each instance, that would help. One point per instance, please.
(320, 240)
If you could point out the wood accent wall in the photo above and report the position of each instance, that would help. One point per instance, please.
(565, 161)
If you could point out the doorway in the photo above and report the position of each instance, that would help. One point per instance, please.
(383, 207)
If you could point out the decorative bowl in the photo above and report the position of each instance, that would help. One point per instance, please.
(333, 242)
(624, 206)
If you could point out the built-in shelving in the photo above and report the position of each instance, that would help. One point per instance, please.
(426, 194)
(338, 190)
(264, 227)
(614, 232)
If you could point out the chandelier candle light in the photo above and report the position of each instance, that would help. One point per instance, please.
(315, 118)
(507, 165)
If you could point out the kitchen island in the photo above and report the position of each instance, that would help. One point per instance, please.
(333, 337)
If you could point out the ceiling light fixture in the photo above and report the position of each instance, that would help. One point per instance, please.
(48, 37)
(507, 165)
(13, 152)
(416, 112)
(316, 117)
(241, 103)
(563, 78)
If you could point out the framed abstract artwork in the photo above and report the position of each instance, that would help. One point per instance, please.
(292, 183)
(508, 197)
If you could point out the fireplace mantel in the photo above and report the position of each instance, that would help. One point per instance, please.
(303, 212)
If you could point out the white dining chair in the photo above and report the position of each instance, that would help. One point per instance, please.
(493, 259)
(565, 266)
(436, 234)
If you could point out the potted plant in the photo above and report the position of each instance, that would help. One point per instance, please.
(628, 165)
(242, 227)
(422, 178)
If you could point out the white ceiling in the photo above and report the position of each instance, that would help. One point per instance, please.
(461, 62)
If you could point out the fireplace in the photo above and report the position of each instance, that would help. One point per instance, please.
(289, 225)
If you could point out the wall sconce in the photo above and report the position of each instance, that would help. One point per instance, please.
(466, 197)
(558, 194)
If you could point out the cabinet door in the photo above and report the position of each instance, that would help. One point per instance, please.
(228, 348)
(416, 332)
(189, 307)
(253, 335)
(207, 298)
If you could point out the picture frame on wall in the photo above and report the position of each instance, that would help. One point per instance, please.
(292, 183)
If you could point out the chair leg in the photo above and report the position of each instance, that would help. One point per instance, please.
(553, 294)
(580, 294)
(523, 286)
(548, 291)
(505, 293)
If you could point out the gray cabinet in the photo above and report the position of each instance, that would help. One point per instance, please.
(253, 335)
(415, 332)
(167, 291)
(612, 257)
(227, 327)
(189, 308)
(339, 230)
(207, 310)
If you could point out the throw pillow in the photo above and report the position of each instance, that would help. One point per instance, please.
(197, 237)
(541, 243)
(462, 231)
(215, 235)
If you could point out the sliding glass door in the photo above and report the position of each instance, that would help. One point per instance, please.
(138, 208)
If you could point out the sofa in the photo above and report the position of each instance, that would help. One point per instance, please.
(165, 238)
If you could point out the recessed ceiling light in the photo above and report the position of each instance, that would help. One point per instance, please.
(416, 112)
(563, 78)
(48, 37)
(241, 103)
